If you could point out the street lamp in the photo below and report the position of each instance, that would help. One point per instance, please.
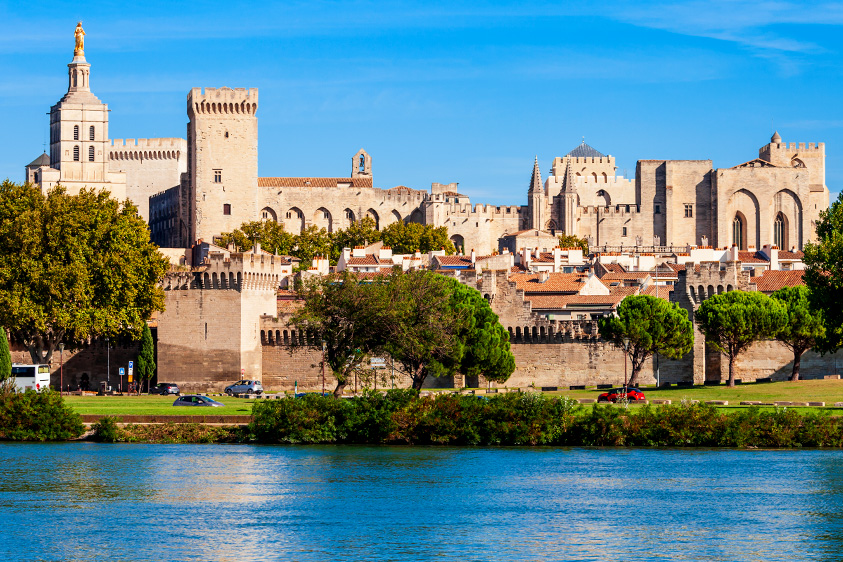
(108, 364)
(61, 369)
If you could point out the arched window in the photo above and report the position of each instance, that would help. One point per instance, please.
(90, 153)
(361, 167)
(780, 231)
(739, 231)
(76, 132)
(91, 133)
(76, 153)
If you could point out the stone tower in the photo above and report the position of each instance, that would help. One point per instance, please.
(535, 196)
(222, 146)
(361, 165)
(79, 137)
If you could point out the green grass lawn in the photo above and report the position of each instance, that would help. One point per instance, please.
(154, 405)
(828, 391)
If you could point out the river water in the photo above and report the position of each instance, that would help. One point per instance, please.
(86, 502)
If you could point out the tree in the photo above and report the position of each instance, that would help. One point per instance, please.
(5, 357)
(420, 328)
(652, 325)
(732, 321)
(360, 233)
(804, 327)
(313, 241)
(824, 274)
(344, 313)
(74, 267)
(485, 341)
(146, 358)
(571, 241)
(406, 238)
(271, 235)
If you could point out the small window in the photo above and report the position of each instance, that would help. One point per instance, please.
(689, 210)
(226, 209)
(90, 153)
(217, 176)
(658, 210)
(76, 132)
(226, 134)
(326, 215)
(76, 154)
(289, 215)
(623, 231)
(91, 133)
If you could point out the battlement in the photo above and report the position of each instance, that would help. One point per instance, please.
(147, 149)
(482, 211)
(232, 271)
(222, 101)
(604, 181)
(800, 146)
(620, 209)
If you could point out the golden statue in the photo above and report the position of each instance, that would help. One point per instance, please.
(80, 40)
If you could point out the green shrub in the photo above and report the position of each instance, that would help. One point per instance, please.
(106, 430)
(33, 416)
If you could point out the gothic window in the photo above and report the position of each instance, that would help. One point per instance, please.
(780, 231)
(90, 153)
(268, 214)
(91, 133)
(689, 210)
(76, 153)
(76, 132)
(217, 176)
(739, 231)
(226, 209)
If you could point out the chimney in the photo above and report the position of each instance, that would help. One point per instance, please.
(473, 256)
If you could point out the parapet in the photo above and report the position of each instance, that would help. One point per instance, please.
(222, 101)
(147, 149)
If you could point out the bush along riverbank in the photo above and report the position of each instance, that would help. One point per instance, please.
(401, 417)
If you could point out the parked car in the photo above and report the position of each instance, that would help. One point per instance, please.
(191, 400)
(244, 387)
(632, 394)
(165, 388)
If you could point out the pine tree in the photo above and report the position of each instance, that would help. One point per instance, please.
(146, 358)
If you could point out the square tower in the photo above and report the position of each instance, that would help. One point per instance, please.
(222, 147)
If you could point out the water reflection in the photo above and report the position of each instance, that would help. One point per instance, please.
(215, 502)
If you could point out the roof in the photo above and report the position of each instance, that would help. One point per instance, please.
(369, 259)
(43, 160)
(555, 302)
(659, 291)
(454, 261)
(585, 151)
(315, 182)
(752, 257)
(785, 255)
(555, 283)
(771, 281)
(626, 276)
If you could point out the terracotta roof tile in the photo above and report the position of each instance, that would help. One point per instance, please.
(557, 302)
(659, 291)
(555, 283)
(625, 291)
(314, 182)
(752, 257)
(627, 276)
(783, 255)
(771, 281)
(454, 261)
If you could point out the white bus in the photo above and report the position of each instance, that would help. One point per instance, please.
(31, 377)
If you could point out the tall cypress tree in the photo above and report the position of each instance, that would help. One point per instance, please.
(146, 358)
(5, 357)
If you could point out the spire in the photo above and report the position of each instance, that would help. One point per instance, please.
(776, 138)
(536, 180)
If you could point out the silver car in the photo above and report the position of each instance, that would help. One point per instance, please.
(191, 400)
(244, 387)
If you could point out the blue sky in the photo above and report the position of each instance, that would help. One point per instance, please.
(445, 91)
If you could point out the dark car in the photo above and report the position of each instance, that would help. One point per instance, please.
(632, 394)
(165, 388)
(191, 400)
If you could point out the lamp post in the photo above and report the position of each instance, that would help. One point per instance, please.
(108, 364)
(625, 353)
(61, 369)
(323, 367)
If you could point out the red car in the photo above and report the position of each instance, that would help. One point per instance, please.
(632, 394)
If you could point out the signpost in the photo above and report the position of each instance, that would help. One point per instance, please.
(129, 379)
(120, 382)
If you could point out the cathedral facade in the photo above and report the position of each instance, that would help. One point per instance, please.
(198, 187)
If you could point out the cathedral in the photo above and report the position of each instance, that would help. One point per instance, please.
(196, 188)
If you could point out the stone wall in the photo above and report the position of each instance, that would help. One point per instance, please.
(151, 166)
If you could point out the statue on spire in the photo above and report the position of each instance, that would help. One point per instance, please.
(80, 40)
